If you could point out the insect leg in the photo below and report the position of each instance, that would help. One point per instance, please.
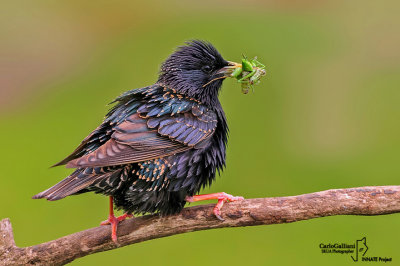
(247, 76)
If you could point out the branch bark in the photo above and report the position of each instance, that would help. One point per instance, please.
(261, 211)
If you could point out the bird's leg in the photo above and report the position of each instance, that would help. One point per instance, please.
(222, 197)
(114, 221)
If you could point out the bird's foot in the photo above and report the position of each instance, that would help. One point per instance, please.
(114, 221)
(119, 218)
(222, 197)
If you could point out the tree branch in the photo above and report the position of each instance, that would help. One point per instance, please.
(262, 211)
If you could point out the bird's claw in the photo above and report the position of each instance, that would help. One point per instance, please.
(229, 198)
(119, 219)
(217, 211)
(222, 198)
(114, 221)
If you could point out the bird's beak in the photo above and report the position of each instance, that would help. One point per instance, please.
(228, 70)
(225, 72)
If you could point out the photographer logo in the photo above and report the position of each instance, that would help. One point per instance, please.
(357, 251)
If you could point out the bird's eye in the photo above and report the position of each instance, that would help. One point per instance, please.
(207, 68)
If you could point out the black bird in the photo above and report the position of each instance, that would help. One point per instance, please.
(158, 145)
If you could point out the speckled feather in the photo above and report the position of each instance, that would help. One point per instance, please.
(156, 146)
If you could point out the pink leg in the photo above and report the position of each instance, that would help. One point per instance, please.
(114, 221)
(222, 197)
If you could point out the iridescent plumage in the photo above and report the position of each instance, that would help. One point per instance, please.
(158, 144)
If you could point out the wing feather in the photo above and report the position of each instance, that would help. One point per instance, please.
(157, 128)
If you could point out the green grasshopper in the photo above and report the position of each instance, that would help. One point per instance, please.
(249, 74)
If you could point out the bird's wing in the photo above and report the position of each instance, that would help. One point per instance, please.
(147, 134)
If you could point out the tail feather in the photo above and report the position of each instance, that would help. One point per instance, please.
(70, 185)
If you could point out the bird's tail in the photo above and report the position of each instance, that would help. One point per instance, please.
(77, 181)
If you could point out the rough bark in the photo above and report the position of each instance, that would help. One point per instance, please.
(250, 212)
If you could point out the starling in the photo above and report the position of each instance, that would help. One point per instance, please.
(158, 145)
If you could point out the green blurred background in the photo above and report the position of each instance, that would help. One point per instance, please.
(326, 117)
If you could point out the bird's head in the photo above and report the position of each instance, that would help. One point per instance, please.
(196, 70)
